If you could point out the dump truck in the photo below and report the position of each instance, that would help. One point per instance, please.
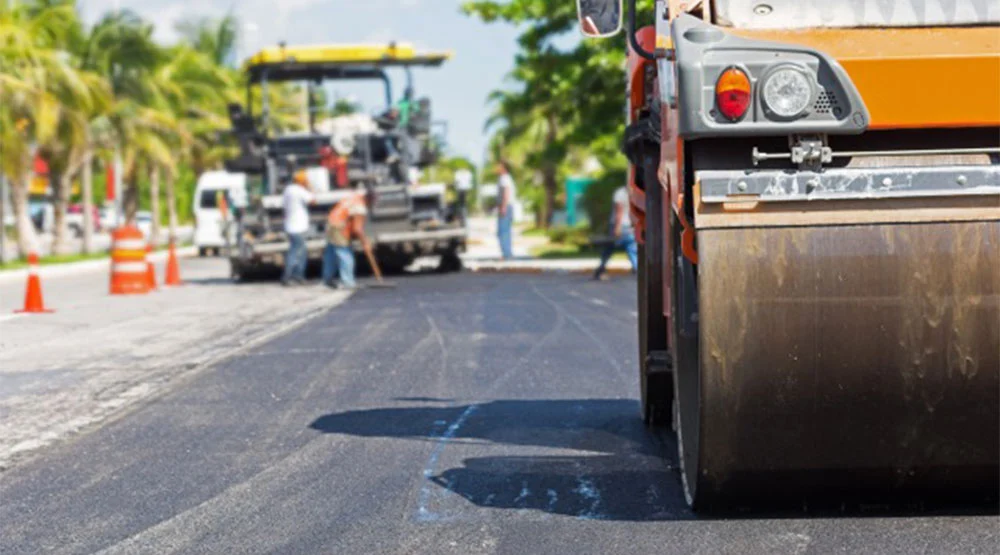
(816, 187)
(341, 155)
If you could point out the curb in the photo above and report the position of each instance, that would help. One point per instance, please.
(536, 269)
(69, 268)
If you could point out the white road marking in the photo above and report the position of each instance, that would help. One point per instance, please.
(585, 488)
(523, 496)
(442, 441)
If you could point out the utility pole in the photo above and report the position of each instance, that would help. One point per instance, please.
(3, 212)
(3, 207)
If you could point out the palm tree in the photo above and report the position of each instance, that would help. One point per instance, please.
(196, 91)
(34, 78)
(121, 47)
(215, 38)
(73, 146)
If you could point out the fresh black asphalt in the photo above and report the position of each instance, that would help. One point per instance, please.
(454, 414)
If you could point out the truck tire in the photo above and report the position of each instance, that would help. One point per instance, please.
(656, 382)
(450, 263)
(242, 273)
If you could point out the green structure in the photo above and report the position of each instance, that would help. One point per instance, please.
(575, 188)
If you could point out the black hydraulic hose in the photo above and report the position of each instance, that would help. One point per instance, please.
(631, 34)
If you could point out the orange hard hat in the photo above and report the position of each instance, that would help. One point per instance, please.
(301, 177)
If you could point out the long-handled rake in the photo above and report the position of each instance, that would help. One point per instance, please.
(379, 282)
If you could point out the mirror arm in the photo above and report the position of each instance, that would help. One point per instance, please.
(636, 47)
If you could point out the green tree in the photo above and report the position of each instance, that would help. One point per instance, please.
(215, 38)
(39, 88)
(569, 100)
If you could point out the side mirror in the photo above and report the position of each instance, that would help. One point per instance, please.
(599, 18)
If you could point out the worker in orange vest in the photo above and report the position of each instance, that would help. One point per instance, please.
(345, 222)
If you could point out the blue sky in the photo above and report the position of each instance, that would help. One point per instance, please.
(483, 53)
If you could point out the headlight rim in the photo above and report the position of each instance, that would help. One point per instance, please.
(811, 82)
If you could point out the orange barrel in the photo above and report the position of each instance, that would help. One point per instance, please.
(128, 262)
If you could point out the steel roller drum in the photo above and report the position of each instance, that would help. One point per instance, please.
(836, 360)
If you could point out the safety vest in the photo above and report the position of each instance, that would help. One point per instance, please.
(337, 231)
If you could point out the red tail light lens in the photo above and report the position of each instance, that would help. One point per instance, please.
(732, 93)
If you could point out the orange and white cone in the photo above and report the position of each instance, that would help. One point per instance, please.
(128, 262)
(33, 303)
(173, 271)
(150, 269)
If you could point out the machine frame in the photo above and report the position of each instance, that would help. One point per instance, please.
(405, 221)
(806, 283)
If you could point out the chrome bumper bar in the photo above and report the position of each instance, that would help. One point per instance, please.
(735, 186)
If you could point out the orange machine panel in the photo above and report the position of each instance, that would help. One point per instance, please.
(910, 78)
(646, 37)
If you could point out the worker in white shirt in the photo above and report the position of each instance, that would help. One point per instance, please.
(296, 199)
(622, 233)
(505, 210)
(463, 184)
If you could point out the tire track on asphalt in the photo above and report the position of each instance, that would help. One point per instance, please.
(423, 514)
(602, 346)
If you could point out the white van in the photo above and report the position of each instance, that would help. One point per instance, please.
(208, 217)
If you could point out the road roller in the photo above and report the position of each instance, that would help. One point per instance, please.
(816, 187)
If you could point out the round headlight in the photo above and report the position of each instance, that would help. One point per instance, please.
(787, 92)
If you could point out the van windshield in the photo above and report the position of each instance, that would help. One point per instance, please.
(209, 199)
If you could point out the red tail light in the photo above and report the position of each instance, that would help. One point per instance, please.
(732, 93)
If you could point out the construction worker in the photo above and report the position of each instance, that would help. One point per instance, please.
(336, 165)
(405, 108)
(345, 222)
(296, 200)
(599, 17)
(623, 235)
(463, 184)
(505, 210)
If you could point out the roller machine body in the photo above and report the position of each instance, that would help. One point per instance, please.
(818, 202)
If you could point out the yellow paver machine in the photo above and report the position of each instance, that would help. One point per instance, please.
(341, 153)
(816, 186)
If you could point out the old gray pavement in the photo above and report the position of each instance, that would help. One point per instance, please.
(97, 354)
(455, 414)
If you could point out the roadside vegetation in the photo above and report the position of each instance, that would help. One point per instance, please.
(566, 242)
(65, 259)
(562, 108)
(84, 96)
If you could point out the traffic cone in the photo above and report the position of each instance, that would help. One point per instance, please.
(150, 269)
(128, 262)
(173, 272)
(33, 303)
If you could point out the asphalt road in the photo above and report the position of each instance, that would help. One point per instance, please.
(455, 414)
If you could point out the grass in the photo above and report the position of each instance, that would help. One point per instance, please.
(566, 243)
(534, 232)
(65, 259)
(57, 259)
(563, 251)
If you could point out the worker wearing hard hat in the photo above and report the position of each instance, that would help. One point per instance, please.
(296, 200)
(345, 223)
